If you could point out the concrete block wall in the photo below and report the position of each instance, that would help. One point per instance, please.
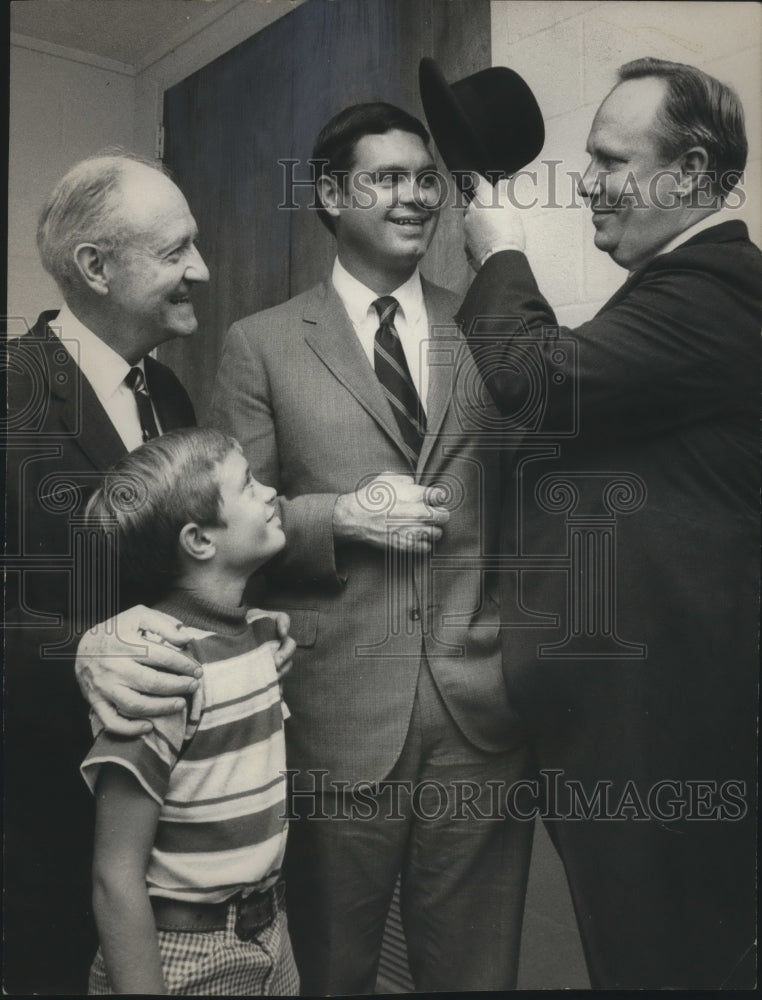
(568, 51)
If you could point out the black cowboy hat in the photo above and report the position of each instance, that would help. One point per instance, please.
(488, 122)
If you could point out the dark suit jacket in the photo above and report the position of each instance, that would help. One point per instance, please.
(295, 387)
(60, 441)
(668, 379)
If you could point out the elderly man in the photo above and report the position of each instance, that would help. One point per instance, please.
(648, 715)
(343, 398)
(119, 239)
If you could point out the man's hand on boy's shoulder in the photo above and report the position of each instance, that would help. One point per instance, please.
(283, 655)
(132, 667)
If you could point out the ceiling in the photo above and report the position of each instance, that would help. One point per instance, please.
(122, 30)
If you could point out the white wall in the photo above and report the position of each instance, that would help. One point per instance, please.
(63, 107)
(568, 51)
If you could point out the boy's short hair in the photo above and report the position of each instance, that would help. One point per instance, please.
(150, 494)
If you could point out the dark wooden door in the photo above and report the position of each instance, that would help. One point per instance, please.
(229, 124)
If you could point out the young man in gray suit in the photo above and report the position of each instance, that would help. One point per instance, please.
(356, 400)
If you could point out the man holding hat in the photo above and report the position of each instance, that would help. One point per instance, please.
(657, 734)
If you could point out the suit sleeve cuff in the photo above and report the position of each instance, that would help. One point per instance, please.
(519, 245)
(310, 550)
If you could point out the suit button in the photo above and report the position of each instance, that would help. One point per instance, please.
(415, 615)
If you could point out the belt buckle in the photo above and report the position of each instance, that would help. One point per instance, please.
(251, 917)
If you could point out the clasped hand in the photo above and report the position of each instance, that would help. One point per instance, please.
(392, 510)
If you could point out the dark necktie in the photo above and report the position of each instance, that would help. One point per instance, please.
(135, 380)
(394, 375)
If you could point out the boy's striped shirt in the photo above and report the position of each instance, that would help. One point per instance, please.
(218, 771)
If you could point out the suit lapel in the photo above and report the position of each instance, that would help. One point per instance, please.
(724, 232)
(329, 333)
(331, 336)
(443, 332)
(158, 394)
(80, 410)
(163, 392)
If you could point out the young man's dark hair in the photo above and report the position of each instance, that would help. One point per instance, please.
(334, 149)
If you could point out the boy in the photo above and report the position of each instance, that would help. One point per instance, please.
(190, 827)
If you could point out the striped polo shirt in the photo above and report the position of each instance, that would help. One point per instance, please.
(216, 768)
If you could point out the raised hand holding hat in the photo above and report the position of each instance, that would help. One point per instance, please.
(492, 222)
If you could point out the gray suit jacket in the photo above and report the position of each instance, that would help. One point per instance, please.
(295, 387)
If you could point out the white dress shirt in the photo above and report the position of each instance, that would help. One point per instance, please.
(411, 321)
(106, 371)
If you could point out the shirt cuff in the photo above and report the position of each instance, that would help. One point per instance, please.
(519, 245)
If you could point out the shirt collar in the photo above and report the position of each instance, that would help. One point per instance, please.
(715, 219)
(103, 368)
(358, 299)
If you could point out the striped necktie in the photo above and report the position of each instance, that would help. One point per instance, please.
(394, 375)
(135, 380)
